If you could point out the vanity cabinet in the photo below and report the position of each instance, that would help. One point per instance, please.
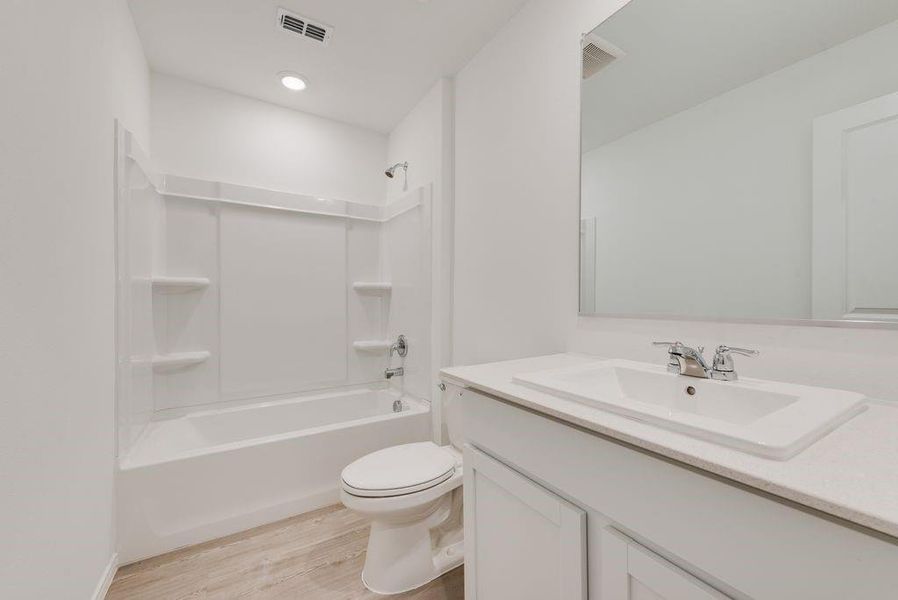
(633, 572)
(536, 487)
(528, 542)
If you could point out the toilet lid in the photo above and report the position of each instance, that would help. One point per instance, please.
(398, 470)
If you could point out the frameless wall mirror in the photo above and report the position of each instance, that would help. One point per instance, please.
(740, 161)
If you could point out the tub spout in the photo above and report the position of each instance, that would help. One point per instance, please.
(391, 373)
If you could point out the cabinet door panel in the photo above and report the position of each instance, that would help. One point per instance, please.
(632, 572)
(521, 541)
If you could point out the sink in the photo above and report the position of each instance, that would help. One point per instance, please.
(766, 418)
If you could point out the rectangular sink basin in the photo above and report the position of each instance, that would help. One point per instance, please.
(766, 418)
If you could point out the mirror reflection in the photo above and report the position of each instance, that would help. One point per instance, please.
(740, 160)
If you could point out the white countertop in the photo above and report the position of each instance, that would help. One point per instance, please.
(851, 473)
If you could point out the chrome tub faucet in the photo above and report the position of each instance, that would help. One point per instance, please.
(400, 347)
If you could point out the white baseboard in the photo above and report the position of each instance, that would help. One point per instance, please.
(106, 579)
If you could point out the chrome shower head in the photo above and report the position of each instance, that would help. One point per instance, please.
(391, 172)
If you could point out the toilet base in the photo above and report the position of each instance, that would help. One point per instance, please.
(449, 558)
(405, 555)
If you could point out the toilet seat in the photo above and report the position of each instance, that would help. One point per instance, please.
(398, 471)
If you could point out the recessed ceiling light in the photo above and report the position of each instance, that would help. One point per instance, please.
(292, 81)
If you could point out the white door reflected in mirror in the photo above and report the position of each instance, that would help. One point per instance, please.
(714, 140)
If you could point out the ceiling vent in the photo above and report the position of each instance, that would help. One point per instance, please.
(295, 24)
(597, 54)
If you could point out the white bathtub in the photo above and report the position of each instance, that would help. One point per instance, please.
(212, 473)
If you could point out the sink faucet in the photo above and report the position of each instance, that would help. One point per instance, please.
(684, 360)
(723, 368)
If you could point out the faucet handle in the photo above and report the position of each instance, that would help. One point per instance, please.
(673, 366)
(723, 367)
(400, 347)
(743, 351)
(669, 345)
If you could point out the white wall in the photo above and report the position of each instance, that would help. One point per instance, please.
(65, 79)
(725, 174)
(517, 177)
(517, 180)
(215, 135)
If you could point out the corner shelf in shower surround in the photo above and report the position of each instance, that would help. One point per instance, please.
(178, 360)
(177, 285)
(372, 345)
(373, 287)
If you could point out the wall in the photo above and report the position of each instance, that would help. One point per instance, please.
(750, 150)
(517, 180)
(83, 69)
(425, 139)
(215, 135)
(517, 170)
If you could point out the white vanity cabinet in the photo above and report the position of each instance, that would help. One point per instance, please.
(528, 542)
(654, 528)
(630, 571)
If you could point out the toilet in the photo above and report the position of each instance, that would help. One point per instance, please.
(413, 496)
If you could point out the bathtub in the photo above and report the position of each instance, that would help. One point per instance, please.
(212, 473)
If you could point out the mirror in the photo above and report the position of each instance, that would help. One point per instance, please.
(740, 161)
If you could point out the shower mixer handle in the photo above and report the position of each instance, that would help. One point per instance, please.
(400, 347)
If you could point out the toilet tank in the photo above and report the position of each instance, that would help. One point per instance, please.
(452, 420)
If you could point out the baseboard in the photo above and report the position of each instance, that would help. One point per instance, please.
(106, 579)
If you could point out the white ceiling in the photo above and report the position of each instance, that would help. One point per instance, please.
(383, 57)
(679, 54)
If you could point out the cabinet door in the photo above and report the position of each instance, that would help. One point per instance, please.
(632, 572)
(521, 540)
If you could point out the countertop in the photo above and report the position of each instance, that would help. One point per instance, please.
(851, 473)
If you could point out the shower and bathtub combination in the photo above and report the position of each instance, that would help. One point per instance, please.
(253, 335)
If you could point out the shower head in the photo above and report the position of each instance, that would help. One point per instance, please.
(391, 172)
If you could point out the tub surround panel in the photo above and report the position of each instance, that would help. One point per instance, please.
(301, 286)
(406, 259)
(849, 474)
(188, 322)
(283, 303)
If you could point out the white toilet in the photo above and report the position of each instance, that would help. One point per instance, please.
(412, 494)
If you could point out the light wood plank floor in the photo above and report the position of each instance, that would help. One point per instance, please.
(316, 556)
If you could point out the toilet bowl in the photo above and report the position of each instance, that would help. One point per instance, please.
(412, 495)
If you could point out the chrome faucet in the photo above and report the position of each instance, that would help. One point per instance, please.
(723, 368)
(683, 360)
(400, 347)
(397, 372)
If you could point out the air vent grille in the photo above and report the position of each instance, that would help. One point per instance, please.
(315, 32)
(293, 24)
(308, 29)
(597, 54)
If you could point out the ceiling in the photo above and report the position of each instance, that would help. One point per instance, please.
(383, 57)
(679, 54)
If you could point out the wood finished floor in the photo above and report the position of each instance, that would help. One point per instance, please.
(316, 556)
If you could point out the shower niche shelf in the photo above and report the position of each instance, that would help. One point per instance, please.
(372, 287)
(372, 345)
(178, 360)
(178, 285)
